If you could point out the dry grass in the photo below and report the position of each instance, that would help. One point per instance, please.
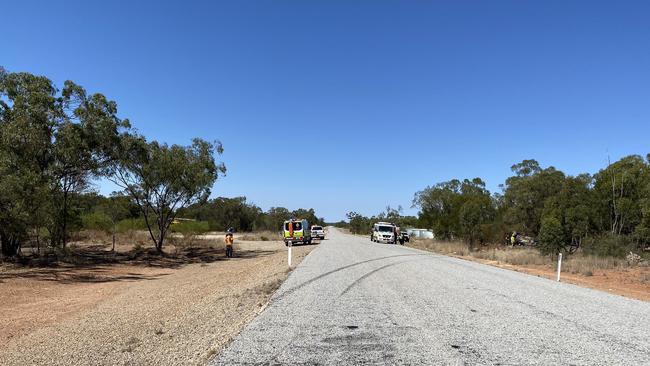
(587, 264)
(515, 256)
(141, 239)
(442, 247)
(131, 243)
(260, 236)
(128, 238)
(576, 263)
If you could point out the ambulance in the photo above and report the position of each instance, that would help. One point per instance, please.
(296, 231)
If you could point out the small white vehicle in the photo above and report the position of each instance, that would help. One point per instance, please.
(384, 232)
(317, 232)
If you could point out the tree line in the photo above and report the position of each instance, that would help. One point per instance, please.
(55, 143)
(222, 213)
(360, 224)
(606, 213)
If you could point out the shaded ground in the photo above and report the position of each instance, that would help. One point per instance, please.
(629, 282)
(175, 309)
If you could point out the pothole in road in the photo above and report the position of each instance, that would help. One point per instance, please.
(455, 346)
(352, 326)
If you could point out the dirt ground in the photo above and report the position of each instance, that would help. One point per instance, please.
(165, 311)
(626, 283)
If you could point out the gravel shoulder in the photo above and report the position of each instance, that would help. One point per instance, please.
(133, 315)
(629, 282)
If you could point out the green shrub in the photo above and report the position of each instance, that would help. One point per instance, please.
(96, 221)
(191, 227)
(551, 236)
(607, 246)
(131, 225)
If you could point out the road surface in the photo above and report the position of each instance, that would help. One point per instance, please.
(354, 302)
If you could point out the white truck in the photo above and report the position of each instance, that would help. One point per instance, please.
(317, 231)
(384, 232)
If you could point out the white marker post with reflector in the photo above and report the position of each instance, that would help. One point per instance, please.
(289, 253)
(559, 266)
(290, 243)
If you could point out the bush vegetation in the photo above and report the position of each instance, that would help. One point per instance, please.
(222, 213)
(54, 143)
(607, 214)
(191, 227)
(359, 224)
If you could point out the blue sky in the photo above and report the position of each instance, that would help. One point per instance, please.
(355, 105)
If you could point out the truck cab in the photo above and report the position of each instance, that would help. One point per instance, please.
(384, 232)
(296, 231)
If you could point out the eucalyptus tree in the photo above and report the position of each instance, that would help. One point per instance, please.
(359, 224)
(29, 112)
(163, 179)
(441, 207)
(526, 192)
(52, 143)
(621, 191)
(275, 216)
(84, 143)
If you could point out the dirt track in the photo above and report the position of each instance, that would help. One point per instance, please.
(127, 314)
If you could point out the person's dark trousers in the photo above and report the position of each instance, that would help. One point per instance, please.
(229, 251)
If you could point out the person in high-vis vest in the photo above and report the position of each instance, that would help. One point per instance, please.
(513, 238)
(230, 240)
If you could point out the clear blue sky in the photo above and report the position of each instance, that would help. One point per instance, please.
(355, 105)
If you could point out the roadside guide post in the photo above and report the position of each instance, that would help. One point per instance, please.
(559, 266)
(289, 253)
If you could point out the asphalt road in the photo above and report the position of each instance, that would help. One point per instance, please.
(354, 302)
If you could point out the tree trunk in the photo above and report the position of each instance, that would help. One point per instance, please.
(10, 245)
(65, 218)
(38, 242)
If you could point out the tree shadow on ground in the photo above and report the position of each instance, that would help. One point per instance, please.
(79, 274)
(96, 264)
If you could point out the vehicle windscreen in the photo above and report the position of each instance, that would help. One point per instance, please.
(385, 229)
(316, 228)
(297, 226)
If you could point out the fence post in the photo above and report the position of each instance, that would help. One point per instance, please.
(559, 266)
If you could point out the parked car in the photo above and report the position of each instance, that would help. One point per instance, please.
(296, 231)
(405, 237)
(317, 232)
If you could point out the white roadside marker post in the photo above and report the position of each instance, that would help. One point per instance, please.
(559, 266)
(289, 254)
